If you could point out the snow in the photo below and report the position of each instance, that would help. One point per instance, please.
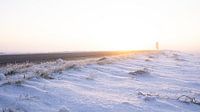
(168, 81)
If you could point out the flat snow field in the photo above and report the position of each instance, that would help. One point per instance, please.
(168, 81)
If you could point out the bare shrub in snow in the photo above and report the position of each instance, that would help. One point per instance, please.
(44, 74)
(17, 82)
(64, 110)
(72, 66)
(148, 96)
(140, 72)
(103, 61)
(12, 110)
(11, 72)
(151, 57)
(90, 77)
(147, 60)
(188, 99)
(182, 98)
(27, 97)
(2, 76)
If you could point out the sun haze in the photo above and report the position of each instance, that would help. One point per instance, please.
(93, 25)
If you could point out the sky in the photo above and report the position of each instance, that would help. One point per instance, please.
(98, 25)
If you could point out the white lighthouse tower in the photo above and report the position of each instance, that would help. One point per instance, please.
(157, 45)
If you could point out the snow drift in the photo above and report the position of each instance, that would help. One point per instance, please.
(165, 82)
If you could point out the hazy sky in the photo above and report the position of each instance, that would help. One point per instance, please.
(82, 25)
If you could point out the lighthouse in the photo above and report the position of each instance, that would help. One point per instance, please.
(157, 45)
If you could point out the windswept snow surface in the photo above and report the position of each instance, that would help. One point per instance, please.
(168, 81)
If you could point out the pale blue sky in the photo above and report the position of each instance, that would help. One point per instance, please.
(82, 25)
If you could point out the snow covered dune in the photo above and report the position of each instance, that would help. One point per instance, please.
(168, 81)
